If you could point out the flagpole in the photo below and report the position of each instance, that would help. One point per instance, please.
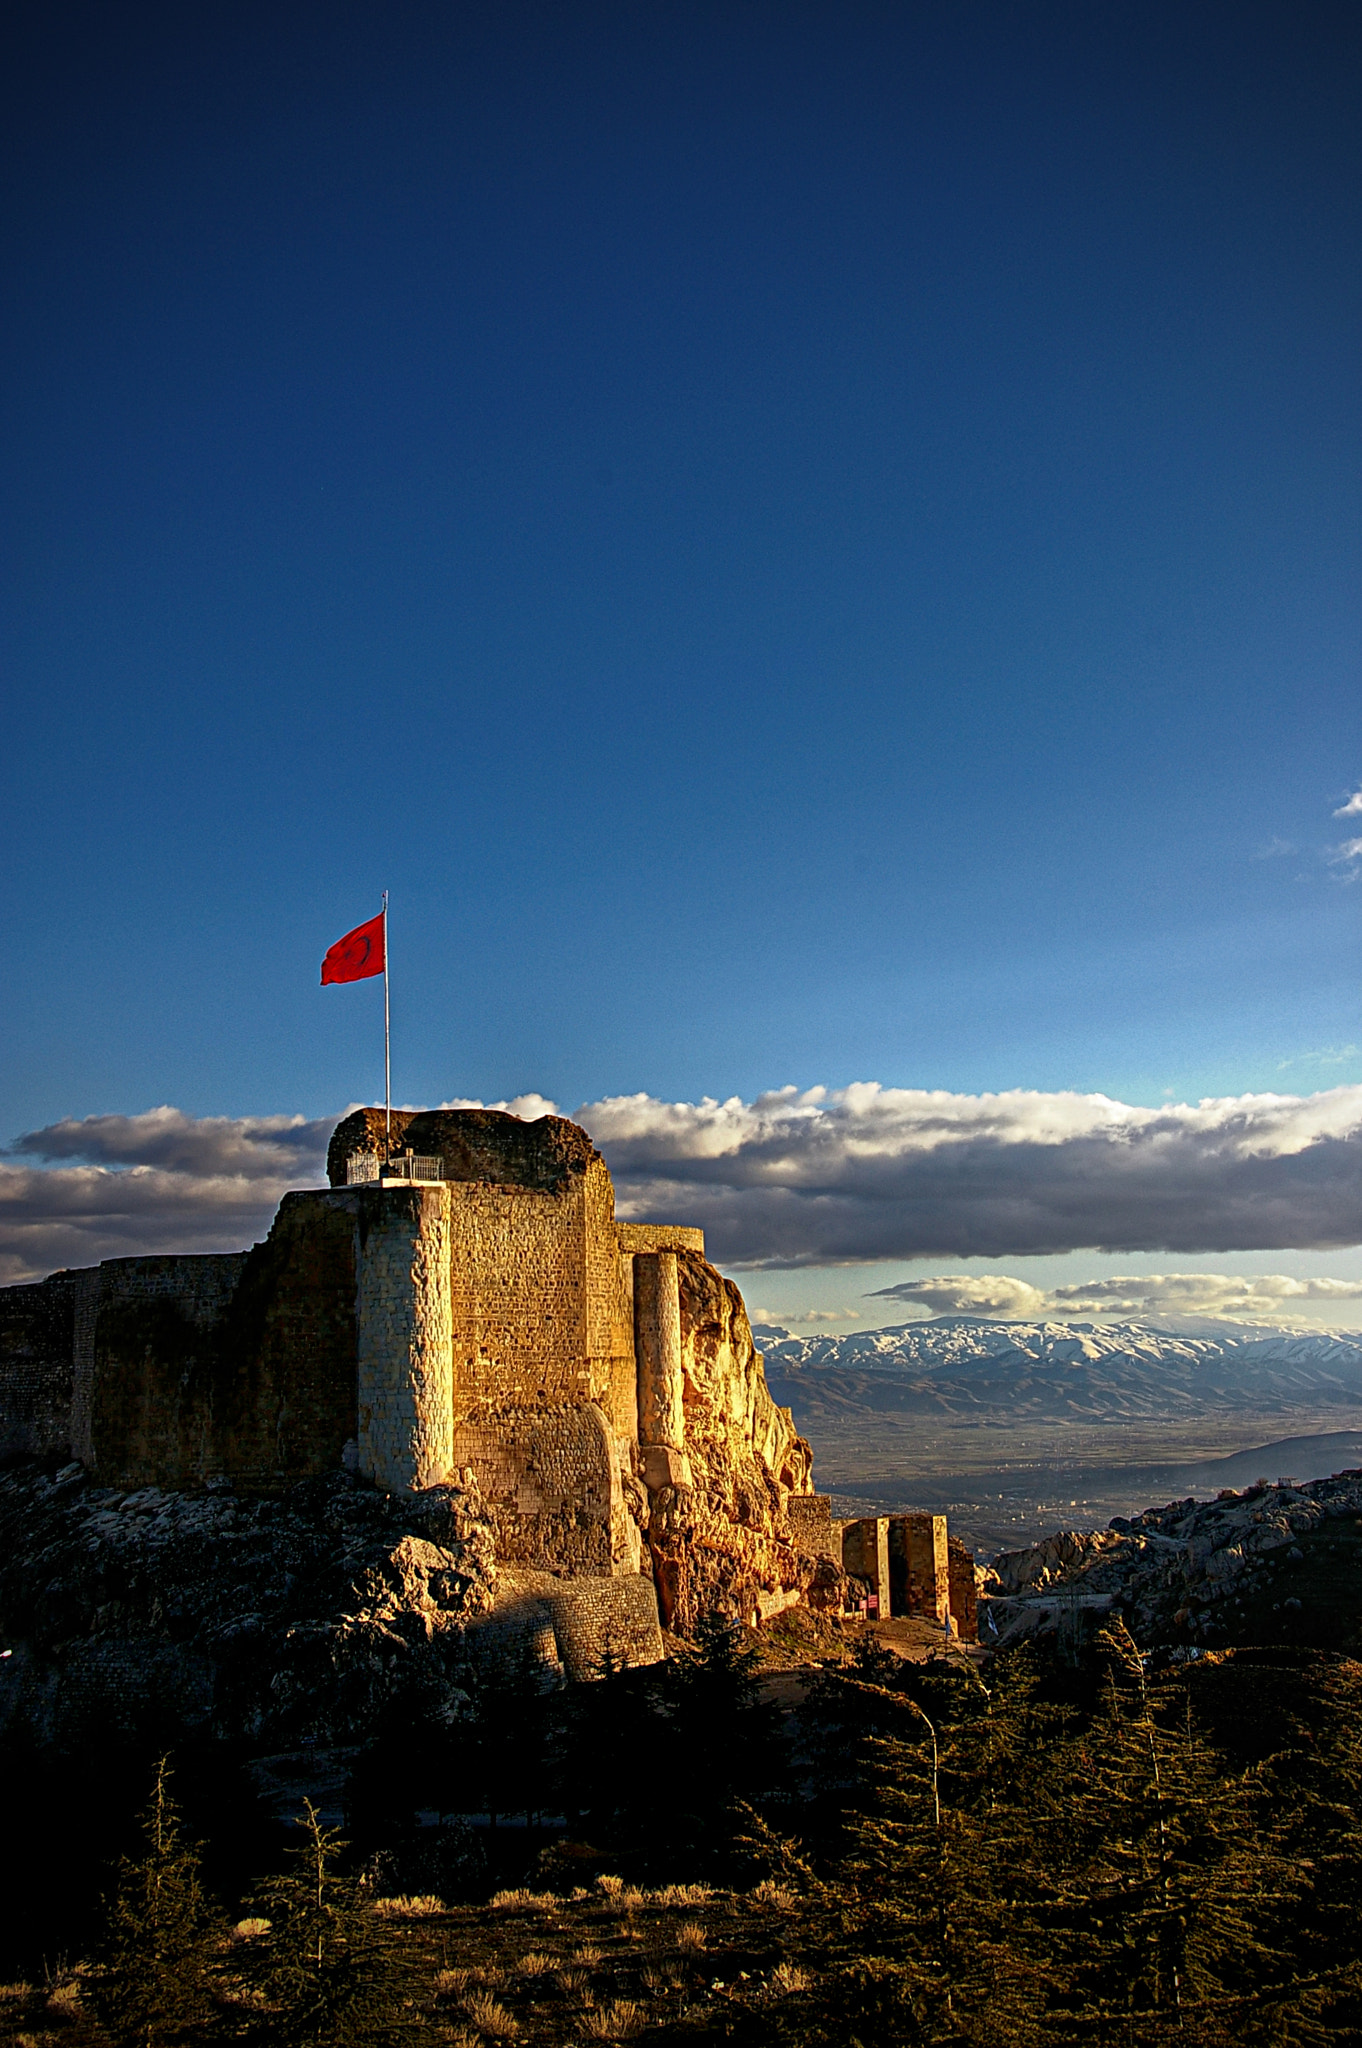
(387, 1041)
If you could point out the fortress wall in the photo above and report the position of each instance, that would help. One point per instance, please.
(598, 1618)
(964, 1589)
(660, 1237)
(812, 1527)
(609, 1304)
(156, 1394)
(291, 1343)
(550, 1477)
(571, 1624)
(865, 1555)
(88, 1286)
(919, 1571)
(240, 1365)
(518, 1295)
(36, 1349)
(404, 1369)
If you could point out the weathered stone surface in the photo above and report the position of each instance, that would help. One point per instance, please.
(297, 1618)
(724, 1543)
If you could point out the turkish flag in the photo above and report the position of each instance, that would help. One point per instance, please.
(359, 954)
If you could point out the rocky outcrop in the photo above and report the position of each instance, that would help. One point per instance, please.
(719, 1537)
(279, 1621)
(1182, 1572)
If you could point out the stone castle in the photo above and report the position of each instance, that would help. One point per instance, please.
(469, 1314)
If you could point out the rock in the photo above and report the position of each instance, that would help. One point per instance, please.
(1166, 1568)
(280, 1620)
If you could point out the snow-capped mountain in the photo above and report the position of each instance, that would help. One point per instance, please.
(962, 1364)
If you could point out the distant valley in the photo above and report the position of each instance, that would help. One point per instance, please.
(1015, 1428)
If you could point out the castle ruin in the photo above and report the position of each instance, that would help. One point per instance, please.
(469, 1315)
(470, 1312)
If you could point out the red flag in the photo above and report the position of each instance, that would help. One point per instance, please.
(359, 954)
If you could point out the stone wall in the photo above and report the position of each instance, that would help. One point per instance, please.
(811, 1525)
(865, 1555)
(37, 1344)
(240, 1366)
(918, 1574)
(550, 1479)
(583, 1624)
(964, 1590)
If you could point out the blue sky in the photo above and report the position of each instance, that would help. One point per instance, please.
(803, 544)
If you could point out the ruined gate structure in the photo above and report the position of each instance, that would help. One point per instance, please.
(491, 1324)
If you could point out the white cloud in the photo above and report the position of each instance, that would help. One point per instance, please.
(1274, 849)
(158, 1182)
(1255, 1295)
(793, 1178)
(1353, 807)
(1215, 1294)
(993, 1294)
(1347, 856)
(866, 1172)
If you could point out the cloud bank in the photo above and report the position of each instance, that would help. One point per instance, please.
(158, 1182)
(867, 1172)
(1256, 1296)
(793, 1178)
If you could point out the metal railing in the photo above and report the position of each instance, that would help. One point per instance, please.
(363, 1169)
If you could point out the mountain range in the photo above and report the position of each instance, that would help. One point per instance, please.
(975, 1368)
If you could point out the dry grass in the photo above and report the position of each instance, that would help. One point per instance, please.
(611, 1886)
(490, 2017)
(457, 2037)
(521, 1900)
(13, 1992)
(64, 1995)
(786, 1979)
(690, 1937)
(574, 1983)
(777, 1897)
(409, 1906)
(247, 1930)
(534, 1963)
(683, 1895)
(588, 1957)
(619, 2021)
(449, 1983)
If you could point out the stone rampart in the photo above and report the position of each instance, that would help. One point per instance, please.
(964, 1590)
(37, 1344)
(550, 1478)
(918, 1574)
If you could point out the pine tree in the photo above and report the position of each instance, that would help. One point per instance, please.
(325, 1967)
(721, 1736)
(153, 1974)
(1172, 1907)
